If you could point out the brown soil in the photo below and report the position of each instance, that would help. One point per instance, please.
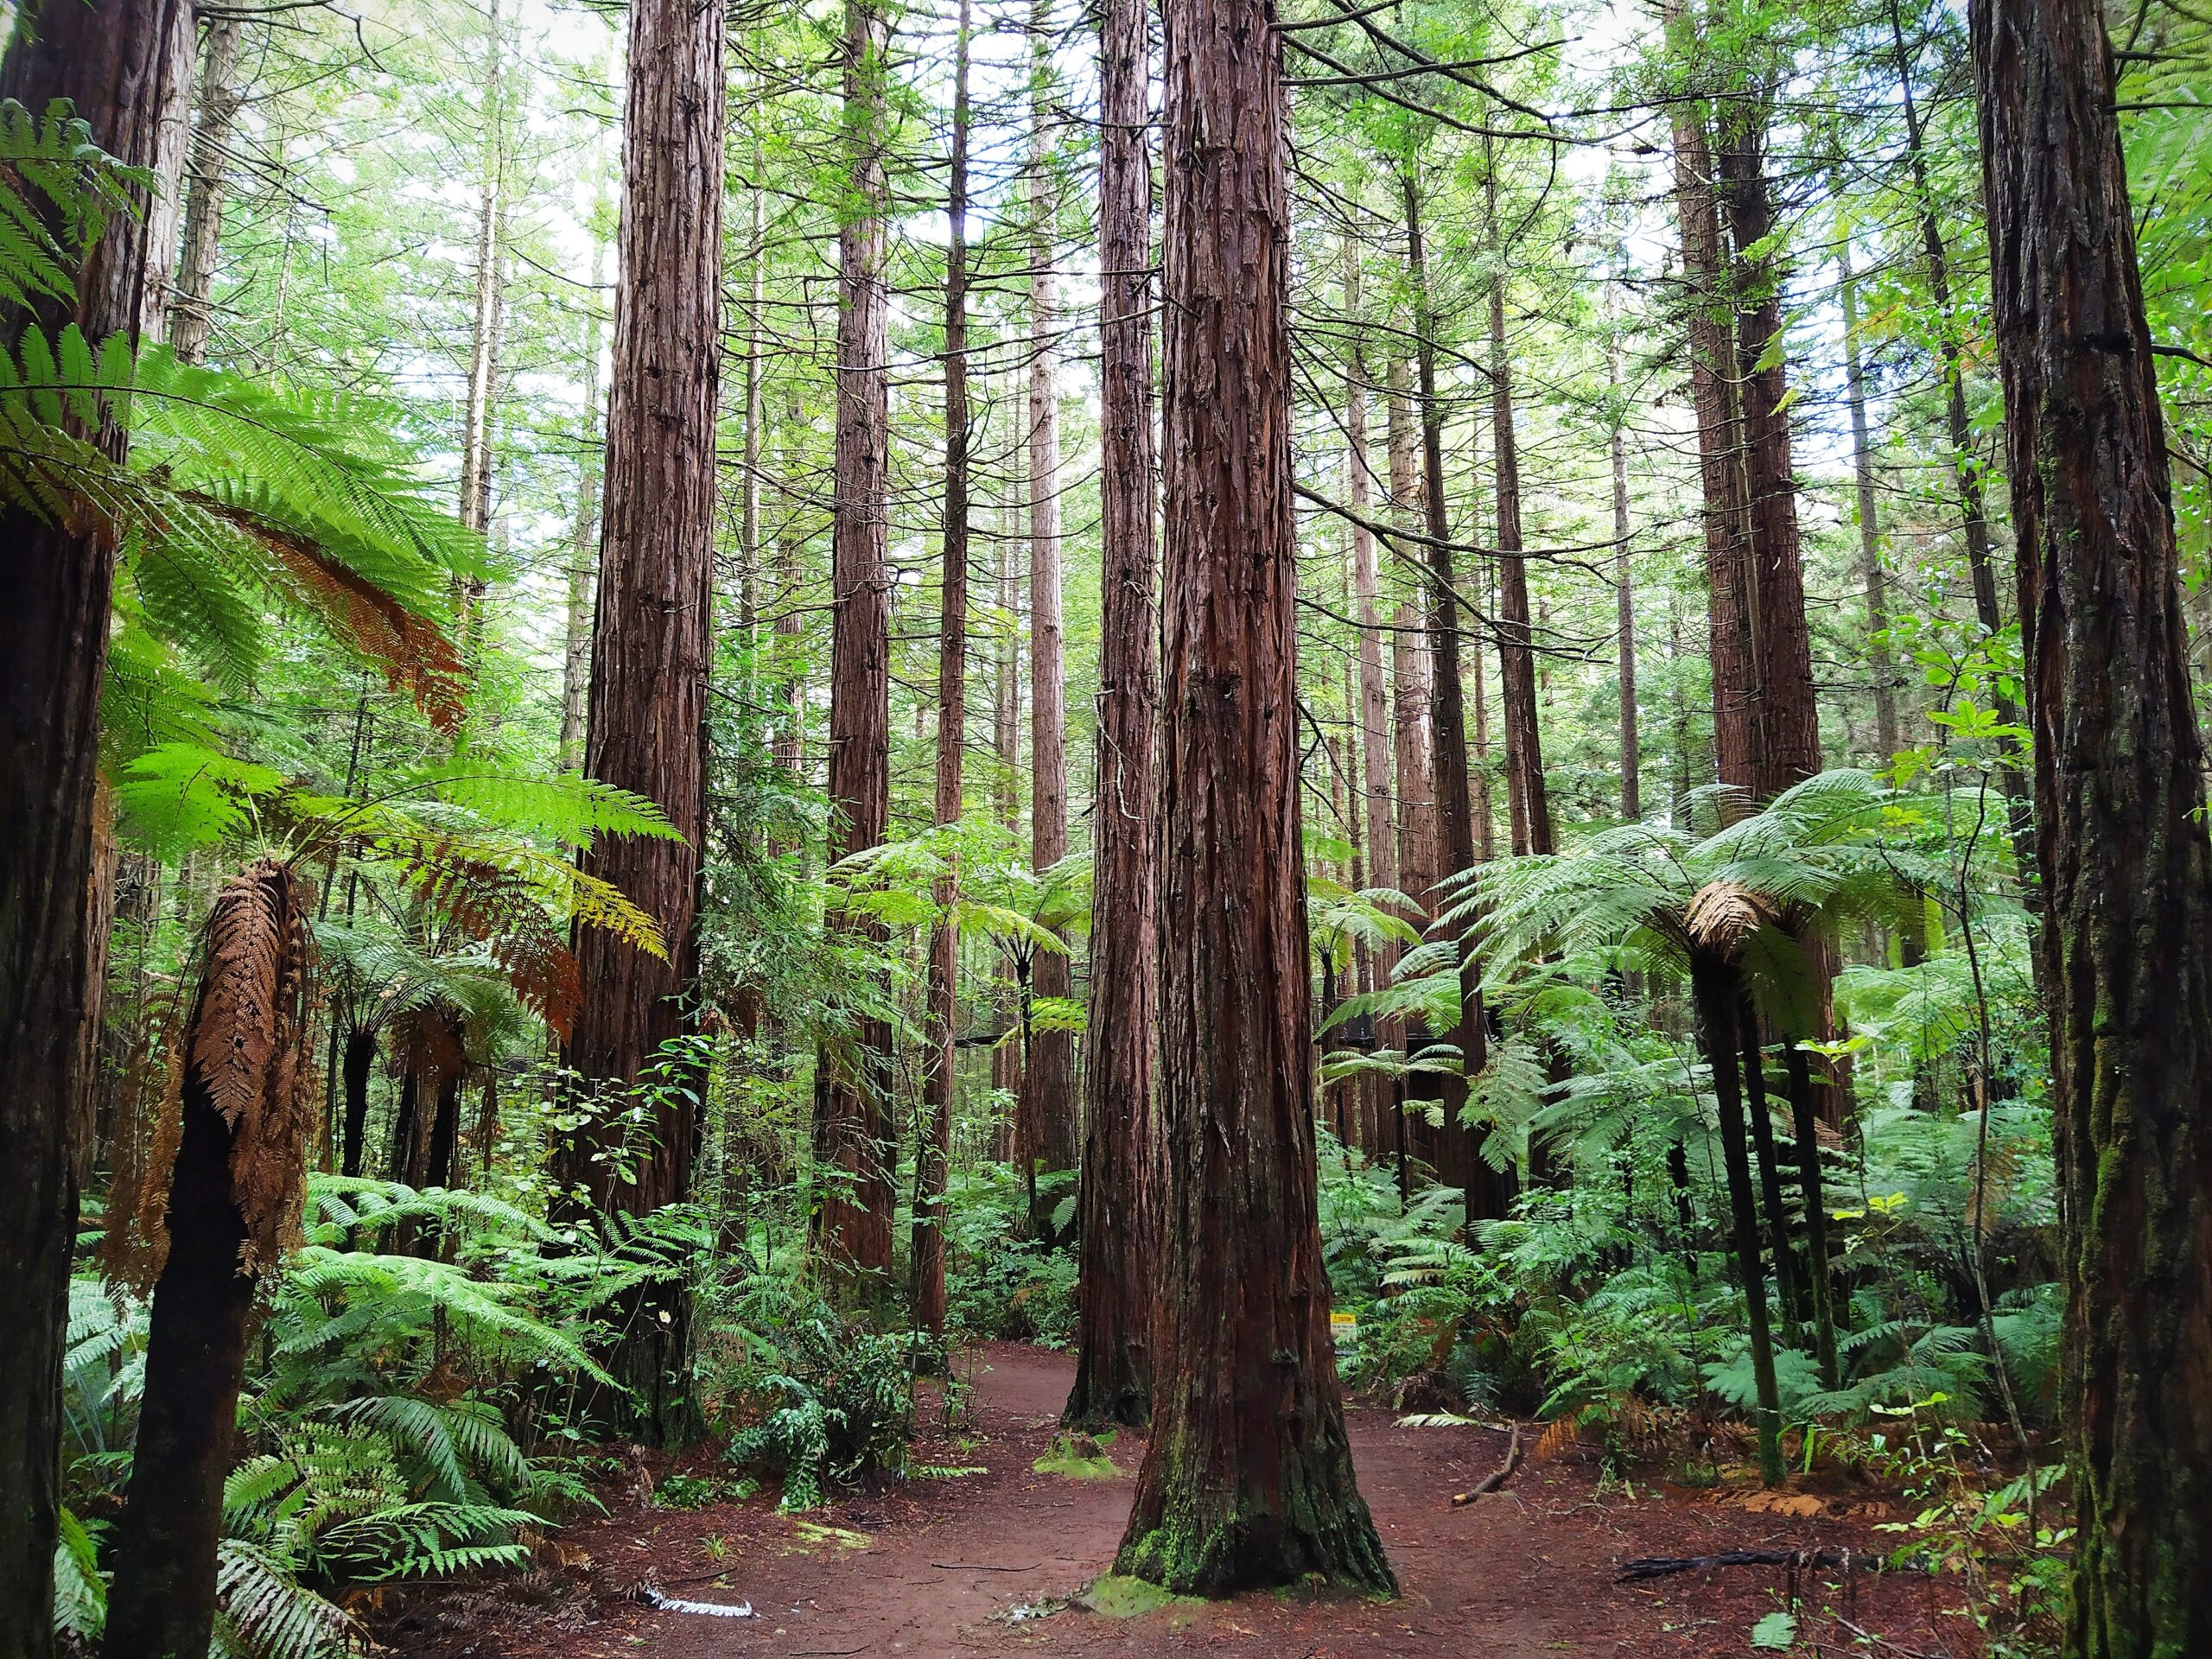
(988, 1564)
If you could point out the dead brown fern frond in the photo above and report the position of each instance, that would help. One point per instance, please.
(1721, 916)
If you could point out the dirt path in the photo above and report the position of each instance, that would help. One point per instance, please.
(982, 1564)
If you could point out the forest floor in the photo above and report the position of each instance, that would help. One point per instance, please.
(999, 1562)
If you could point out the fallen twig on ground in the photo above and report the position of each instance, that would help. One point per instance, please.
(1496, 1478)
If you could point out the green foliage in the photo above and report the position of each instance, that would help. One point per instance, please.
(824, 1404)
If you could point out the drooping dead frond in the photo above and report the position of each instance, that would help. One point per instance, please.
(245, 1055)
(1721, 916)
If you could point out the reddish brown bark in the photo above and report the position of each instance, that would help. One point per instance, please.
(1247, 1478)
(1048, 1128)
(1713, 394)
(933, 1141)
(1458, 1164)
(1114, 1304)
(646, 728)
(1790, 738)
(122, 61)
(1526, 801)
(2126, 865)
(853, 1148)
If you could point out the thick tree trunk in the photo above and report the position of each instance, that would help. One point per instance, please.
(1488, 1193)
(1790, 740)
(1730, 598)
(220, 98)
(1527, 801)
(2125, 866)
(1048, 1078)
(1113, 1300)
(123, 61)
(1886, 738)
(1718, 991)
(1247, 1479)
(652, 645)
(933, 1137)
(853, 1146)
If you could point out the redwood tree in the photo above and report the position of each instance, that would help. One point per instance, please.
(1247, 1478)
(2126, 864)
(646, 728)
(852, 1109)
(933, 1144)
(1114, 1303)
(126, 64)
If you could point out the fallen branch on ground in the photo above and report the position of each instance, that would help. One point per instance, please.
(1496, 1478)
(1658, 1566)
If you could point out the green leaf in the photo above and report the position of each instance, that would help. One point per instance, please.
(1776, 1633)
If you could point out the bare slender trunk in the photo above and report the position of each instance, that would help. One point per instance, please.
(220, 97)
(1048, 1104)
(1487, 1192)
(583, 553)
(1624, 595)
(1114, 1304)
(1527, 802)
(853, 1148)
(933, 1139)
(1886, 738)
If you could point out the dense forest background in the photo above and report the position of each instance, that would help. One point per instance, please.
(660, 1069)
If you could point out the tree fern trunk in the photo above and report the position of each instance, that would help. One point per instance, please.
(1718, 992)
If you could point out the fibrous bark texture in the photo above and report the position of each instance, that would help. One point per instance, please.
(1114, 1301)
(221, 1212)
(124, 63)
(2126, 865)
(933, 1142)
(1048, 1118)
(852, 1108)
(1247, 1479)
(646, 730)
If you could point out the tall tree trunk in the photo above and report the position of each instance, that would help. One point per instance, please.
(748, 522)
(219, 99)
(1527, 801)
(226, 1205)
(1886, 738)
(2126, 866)
(1413, 677)
(852, 1104)
(791, 625)
(1624, 592)
(1713, 394)
(1965, 461)
(1487, 1193)
(1048, 1077)
(489, 313)
(1247, 1479)
(575, 656)
(127, 64)
(651, 648)
(933, 1138)
(1790, 740)
(1374, 704)
(1114, 1303)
